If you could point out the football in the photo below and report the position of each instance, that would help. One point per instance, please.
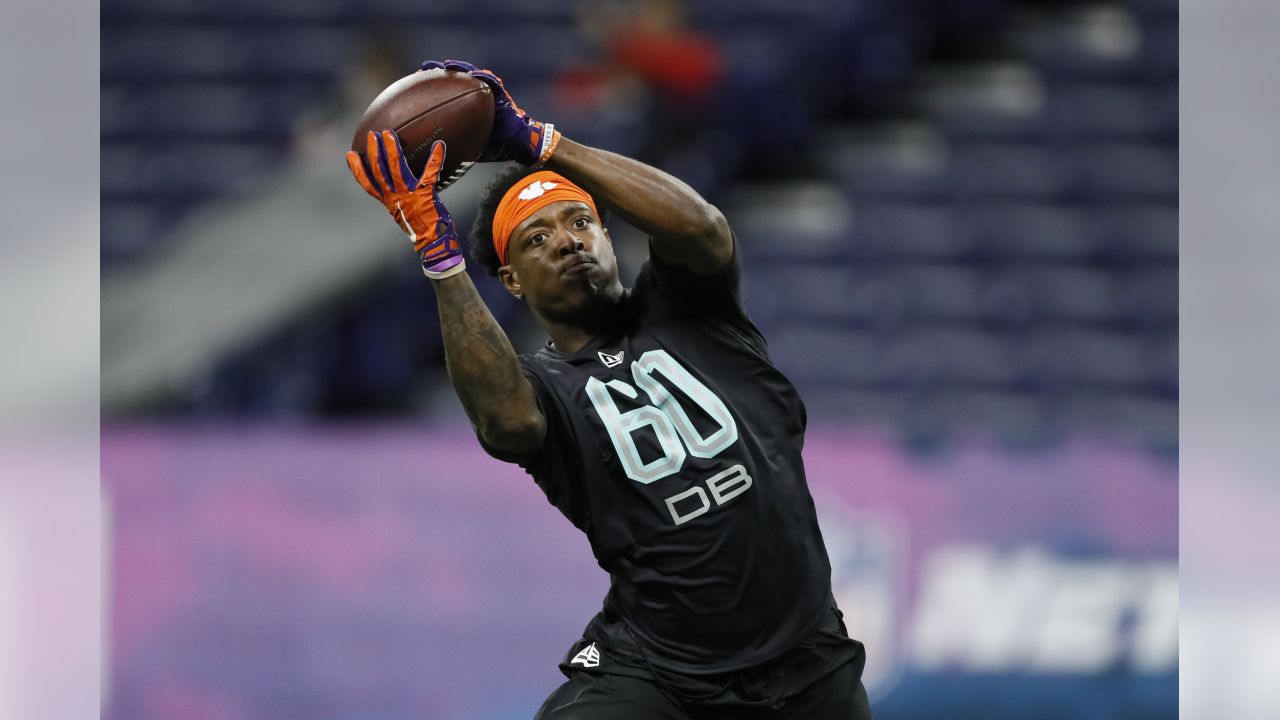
(427, 106)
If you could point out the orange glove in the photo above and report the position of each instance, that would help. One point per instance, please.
(413, 203)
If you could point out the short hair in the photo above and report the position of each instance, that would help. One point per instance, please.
(481, 237)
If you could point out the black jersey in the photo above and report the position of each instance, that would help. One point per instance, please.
(675, 446)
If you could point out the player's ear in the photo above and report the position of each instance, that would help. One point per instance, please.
(509, 280)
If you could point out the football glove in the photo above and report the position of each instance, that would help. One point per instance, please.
(515, 135)
(413, 203)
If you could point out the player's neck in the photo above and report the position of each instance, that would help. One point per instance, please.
(569, 339)
(570, 336)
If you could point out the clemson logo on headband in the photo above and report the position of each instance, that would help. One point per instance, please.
(520, 202)
(536, 189)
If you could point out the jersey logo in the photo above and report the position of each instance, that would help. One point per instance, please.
(589, 656)
(610, 360)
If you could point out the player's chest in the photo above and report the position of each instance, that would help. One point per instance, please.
(656, 427)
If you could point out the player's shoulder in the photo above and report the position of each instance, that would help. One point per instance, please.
(537, 362)
(550, 367)
(711, 305)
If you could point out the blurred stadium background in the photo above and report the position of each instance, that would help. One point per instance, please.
(959, 221)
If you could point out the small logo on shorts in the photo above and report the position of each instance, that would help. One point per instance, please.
(610, 360)
(589, 656)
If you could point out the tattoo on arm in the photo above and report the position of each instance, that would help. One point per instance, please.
(485, 371)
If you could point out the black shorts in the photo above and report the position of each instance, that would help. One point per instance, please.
(818, 679)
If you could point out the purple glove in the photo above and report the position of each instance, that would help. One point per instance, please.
(515, 135)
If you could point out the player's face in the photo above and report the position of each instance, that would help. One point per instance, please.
(562, 262)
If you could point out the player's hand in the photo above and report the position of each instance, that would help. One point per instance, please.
(515, 135)
(413, 203)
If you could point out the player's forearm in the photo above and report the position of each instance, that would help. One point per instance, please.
(663, 206)
(484, 369)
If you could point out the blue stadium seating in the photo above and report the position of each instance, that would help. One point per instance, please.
(939, 248)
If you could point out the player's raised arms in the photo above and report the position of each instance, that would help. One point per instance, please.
(686, 230)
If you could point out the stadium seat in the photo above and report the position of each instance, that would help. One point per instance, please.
(994, 102)
(1085, 360)
(1148, 298)
(1105, 111)
(816, 354)
(1010, 172)
(1128, 172)
(904, 161)
(1002, 231)
(945, 355)
(891, 231)
(1067, 293)
(942, 293)
(1138, 232)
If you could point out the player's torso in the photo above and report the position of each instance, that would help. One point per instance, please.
(689, 442)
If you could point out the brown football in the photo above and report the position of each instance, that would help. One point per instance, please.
(432, 105)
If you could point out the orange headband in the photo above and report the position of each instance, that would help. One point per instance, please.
(534, 192)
